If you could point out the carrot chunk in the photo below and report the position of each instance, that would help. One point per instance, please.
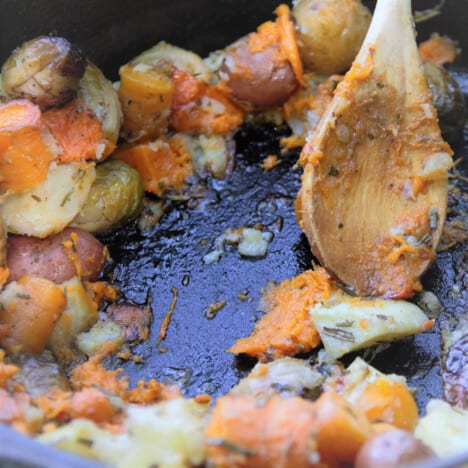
(22, 149)
(244, 432)
(163, 164)
(78, 132)
(201, 108)
(336, 418)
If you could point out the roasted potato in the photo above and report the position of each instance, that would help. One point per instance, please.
(448, 101)
(145, 94)
(391, 449)
(146, 88)
(259, 80)
(115, 198)
(99, 95)
(330, 33)
(53, 258)
(50, 206)
(165, 56)
(46, 70)
(80, 315)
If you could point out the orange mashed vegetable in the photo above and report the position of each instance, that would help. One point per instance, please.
(287, 329)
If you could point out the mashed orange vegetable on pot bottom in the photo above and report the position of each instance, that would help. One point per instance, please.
(287, 328)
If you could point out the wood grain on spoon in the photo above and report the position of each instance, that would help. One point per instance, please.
(374, 189)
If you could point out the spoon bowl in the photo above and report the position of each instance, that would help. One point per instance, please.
(374, 190)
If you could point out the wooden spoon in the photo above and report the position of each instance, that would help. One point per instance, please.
(374, 189)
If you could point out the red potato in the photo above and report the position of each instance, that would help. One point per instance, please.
(72, 252)
(260, 80)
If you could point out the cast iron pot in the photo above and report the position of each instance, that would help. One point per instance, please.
(111, 32)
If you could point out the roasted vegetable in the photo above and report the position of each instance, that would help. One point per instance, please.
(444, 428)
(248, 432)
(392, 449)
(209, 153)
(3, 244)
(346, 324)
(58, 258)
(115, 198)
(264, 68)
(3, 94)
(163, 164)
(21, 136)
(146, 88)
(77, 132)
(381, 398)
(79, 315)
(245, 434)
(330, 33)
(98, 94)
(256, 78)
(29, 310)
(39, 374)
(101, 334)
(199, 108)
(146, 97)
(4, 271)
(166, 56)
(286, 377)
(448, 101)
(287, 328)
(46, 70)
(176, 425)
(48, 207)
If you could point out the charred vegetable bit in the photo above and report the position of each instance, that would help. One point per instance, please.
(134, 320)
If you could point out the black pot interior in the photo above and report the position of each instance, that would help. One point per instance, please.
(111, 32)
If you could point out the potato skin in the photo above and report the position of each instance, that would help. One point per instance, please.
(391, 449)
(330, 33)
(48, 258)
(46, 70)
(258, 80)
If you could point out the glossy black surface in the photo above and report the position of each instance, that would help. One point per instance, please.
(193, 353)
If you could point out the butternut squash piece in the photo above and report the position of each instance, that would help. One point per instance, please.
(29, 309)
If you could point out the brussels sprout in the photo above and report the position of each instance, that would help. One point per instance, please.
(115, 198)
(99, 95)
(46, 70)
(448, 101)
